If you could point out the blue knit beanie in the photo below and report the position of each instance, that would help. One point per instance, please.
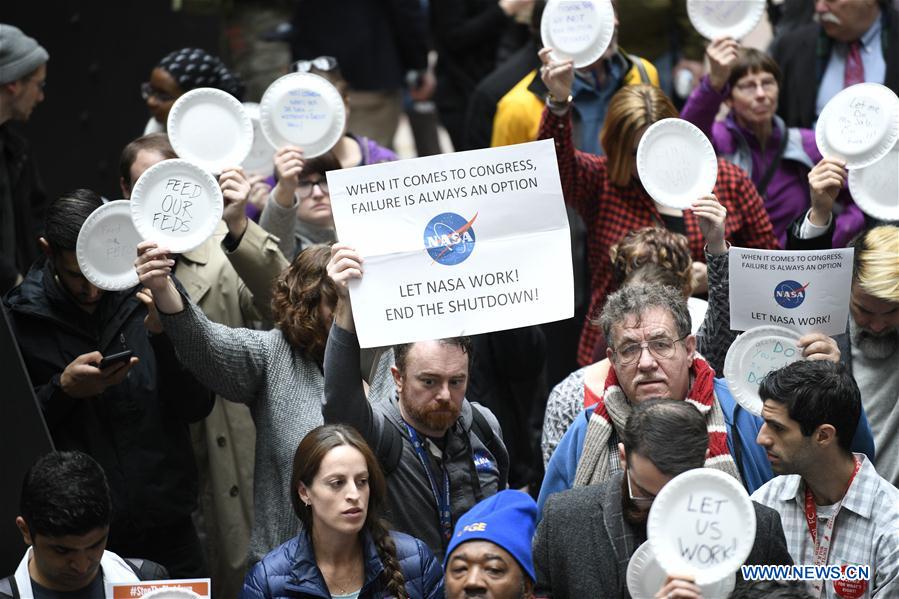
(507, 519)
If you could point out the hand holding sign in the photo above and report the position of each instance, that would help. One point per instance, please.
(344, 266)
(236, 193)
(288, 166)
(558, 75)
(825, 181)
(711, 215)
(817, 346)
(679, 586)
(722, 53)
(154, 269)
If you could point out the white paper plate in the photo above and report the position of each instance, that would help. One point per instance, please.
(875, 188)
(107, 247)
(754, 354)
(725, 18)
(177, 204)
(578, 29)
(859, 125)
(694, 513)
(676, 163)
(645, 577)
(304, 110)
(171, 593)
(261, 159)
(210, 128)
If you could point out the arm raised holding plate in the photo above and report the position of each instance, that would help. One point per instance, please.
(581, 173)
(279, 215)
(253, 253)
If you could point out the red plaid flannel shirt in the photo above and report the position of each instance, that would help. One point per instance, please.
(611, 211)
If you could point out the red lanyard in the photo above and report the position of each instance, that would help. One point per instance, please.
(822, 542)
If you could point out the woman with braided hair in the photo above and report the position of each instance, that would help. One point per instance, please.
(344, 549)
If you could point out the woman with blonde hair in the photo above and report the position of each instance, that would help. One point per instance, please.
(276, 373)
(344, 549)
(607, 192)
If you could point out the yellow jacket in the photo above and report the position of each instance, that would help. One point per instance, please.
(518, 113)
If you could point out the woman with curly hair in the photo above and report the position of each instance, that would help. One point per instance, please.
(344, 549)
(276, 373)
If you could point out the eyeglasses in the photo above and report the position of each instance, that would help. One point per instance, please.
(147, 90)
(750, 86)
(322, 63)
(661, 348)
(641, 502)
(305, 187)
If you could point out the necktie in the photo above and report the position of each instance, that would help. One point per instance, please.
(855, 68)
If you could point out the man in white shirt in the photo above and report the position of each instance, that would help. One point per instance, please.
(835, 509)
(64, 518)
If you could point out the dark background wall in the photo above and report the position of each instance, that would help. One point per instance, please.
(100, 52)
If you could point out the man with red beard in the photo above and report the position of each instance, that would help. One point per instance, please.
(437, 449)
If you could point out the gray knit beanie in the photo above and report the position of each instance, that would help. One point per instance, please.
(20, 55)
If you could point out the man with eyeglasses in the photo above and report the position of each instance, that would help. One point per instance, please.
(653, 355)
(661, 439)
(23, 72)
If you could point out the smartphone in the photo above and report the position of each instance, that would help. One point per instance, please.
(110, 360)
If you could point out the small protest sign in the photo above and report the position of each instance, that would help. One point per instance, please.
(702, 523)
(201, 587)
(456, 244)
(806, 291)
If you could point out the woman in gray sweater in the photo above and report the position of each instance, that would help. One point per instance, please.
(276, 373)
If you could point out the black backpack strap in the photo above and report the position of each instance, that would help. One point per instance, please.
(484, 432)
(9, 588)
(390, 449)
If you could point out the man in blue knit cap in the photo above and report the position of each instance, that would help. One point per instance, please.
(489, 555)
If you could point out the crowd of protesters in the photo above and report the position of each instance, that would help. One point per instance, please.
(250, 440)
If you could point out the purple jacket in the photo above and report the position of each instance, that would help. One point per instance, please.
(788, 196)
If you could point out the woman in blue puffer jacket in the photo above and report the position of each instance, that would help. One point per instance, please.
(344, 549)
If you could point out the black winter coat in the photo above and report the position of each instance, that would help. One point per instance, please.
(137, 430)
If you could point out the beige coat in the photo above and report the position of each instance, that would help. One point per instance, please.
(224, 442)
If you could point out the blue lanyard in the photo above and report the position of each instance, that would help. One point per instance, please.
(442, 499)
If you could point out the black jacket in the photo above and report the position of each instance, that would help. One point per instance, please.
(136, 430)
(583, 542)
(18, 173)
(375, 41)
(806, 50)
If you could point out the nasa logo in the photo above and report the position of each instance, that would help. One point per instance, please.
(789, 294)
(449, 238)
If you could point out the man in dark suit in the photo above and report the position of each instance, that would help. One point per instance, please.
(851, 41)
(588, 534)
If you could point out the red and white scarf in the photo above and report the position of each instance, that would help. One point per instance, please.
(612, 411)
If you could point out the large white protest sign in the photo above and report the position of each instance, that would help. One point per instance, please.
(807, 291)
(462, 243)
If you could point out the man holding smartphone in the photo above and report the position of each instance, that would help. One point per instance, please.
(131, 411)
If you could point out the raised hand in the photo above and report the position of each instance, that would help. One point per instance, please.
(711, 216)
(825, 182)
(288, 166)
(558, 75)
(722, 53)
(236, 193)
(154, 269)
(818, 346)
